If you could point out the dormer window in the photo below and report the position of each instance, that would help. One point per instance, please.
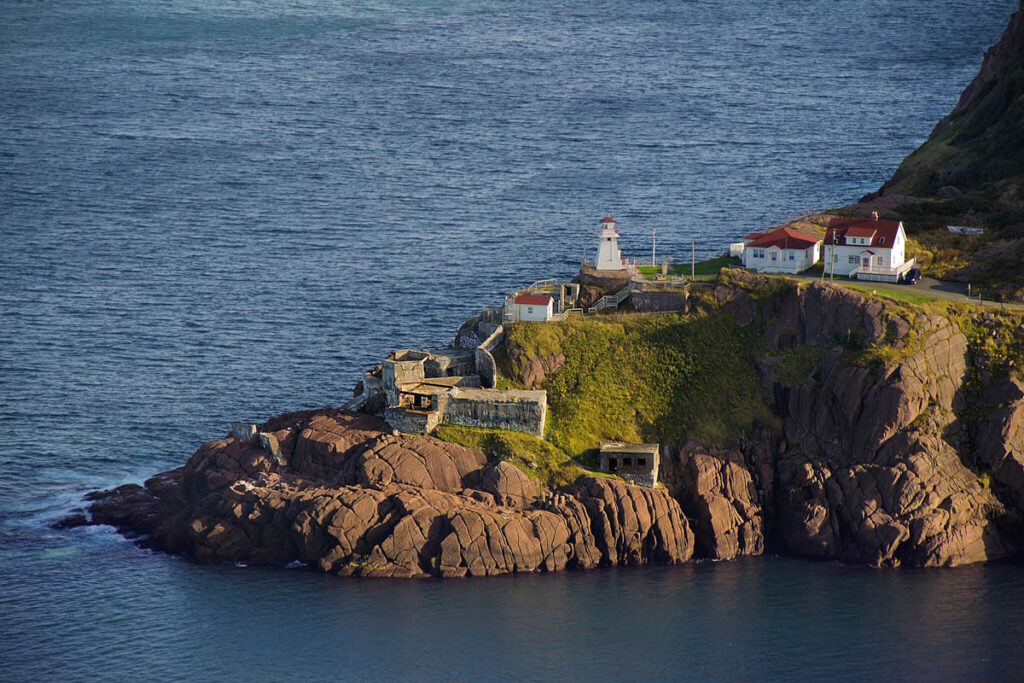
(881, 240)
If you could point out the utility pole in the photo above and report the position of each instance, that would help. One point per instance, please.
(823, 245)
(654, 244)
(832, 276)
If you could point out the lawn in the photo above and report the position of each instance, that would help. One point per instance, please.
(897, 294)
(702, 268)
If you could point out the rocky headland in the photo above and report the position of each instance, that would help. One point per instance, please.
(356, 499)
(892, 435)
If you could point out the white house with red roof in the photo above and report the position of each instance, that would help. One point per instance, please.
(532, 308)
(780, 251)
(866, 249)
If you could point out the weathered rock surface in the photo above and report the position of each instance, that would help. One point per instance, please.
(354, 499)
(897, 444)
(717, 492)
(533, 371)
(874, 464)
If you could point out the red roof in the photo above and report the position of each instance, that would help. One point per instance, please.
(882, 233)
(784, 238)
(861, 231)
(753, 236)
(533, 299)
(607, 219)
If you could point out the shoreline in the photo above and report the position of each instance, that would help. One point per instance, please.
(349, 494)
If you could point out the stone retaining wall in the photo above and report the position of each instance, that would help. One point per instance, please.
(485, 364)
(520, 411)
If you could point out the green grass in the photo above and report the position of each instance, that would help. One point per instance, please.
(796, 364)
(647, 378)
(702, 268)
(894, 294)
(539, 459)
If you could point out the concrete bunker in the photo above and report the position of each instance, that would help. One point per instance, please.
(637, 463)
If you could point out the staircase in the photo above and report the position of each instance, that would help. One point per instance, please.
(611, 300)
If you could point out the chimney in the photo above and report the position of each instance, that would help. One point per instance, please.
(874, 214)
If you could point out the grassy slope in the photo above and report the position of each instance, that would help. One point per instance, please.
(539, 459)
(639, 378)
(703, 268)
(673, 377)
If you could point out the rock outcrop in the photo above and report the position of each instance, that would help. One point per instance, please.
(717, 492)
(897, 439)
(875, 463)
(352, 498)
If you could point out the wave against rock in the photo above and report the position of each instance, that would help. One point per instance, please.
(354, 499)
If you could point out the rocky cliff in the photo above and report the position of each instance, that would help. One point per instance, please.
(350, 497)
(901, 440)
(884, 433)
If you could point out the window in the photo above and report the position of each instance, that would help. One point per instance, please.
(529, 309)
(853, 260)
(641, 461)
(627, 461)
(792, 256)
(613, 465)
(881, 241)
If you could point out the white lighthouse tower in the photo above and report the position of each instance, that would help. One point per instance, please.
(608, 255)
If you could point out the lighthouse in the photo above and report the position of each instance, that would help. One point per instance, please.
(608, 255)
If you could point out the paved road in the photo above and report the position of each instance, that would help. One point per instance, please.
(927, 286)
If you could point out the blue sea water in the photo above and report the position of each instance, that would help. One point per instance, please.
(222, 211)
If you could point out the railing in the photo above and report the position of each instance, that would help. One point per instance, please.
(612, 300)
(541, 284)
(883, 271)
(558, 317)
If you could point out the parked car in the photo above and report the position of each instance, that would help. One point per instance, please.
(911, 277)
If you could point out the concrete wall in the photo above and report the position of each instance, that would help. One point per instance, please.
(520, 411)
(485, 364)
(412, 421)
(406, 367)
(643, 475)
(449, 364)
(243, 431)
(653, 302)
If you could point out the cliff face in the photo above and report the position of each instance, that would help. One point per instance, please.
(885, 434)
(900, 444)
(355, 499)
(882, 434)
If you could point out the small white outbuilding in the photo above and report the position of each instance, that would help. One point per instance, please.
(533, 308)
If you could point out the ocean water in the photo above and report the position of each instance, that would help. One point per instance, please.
(222, 211)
